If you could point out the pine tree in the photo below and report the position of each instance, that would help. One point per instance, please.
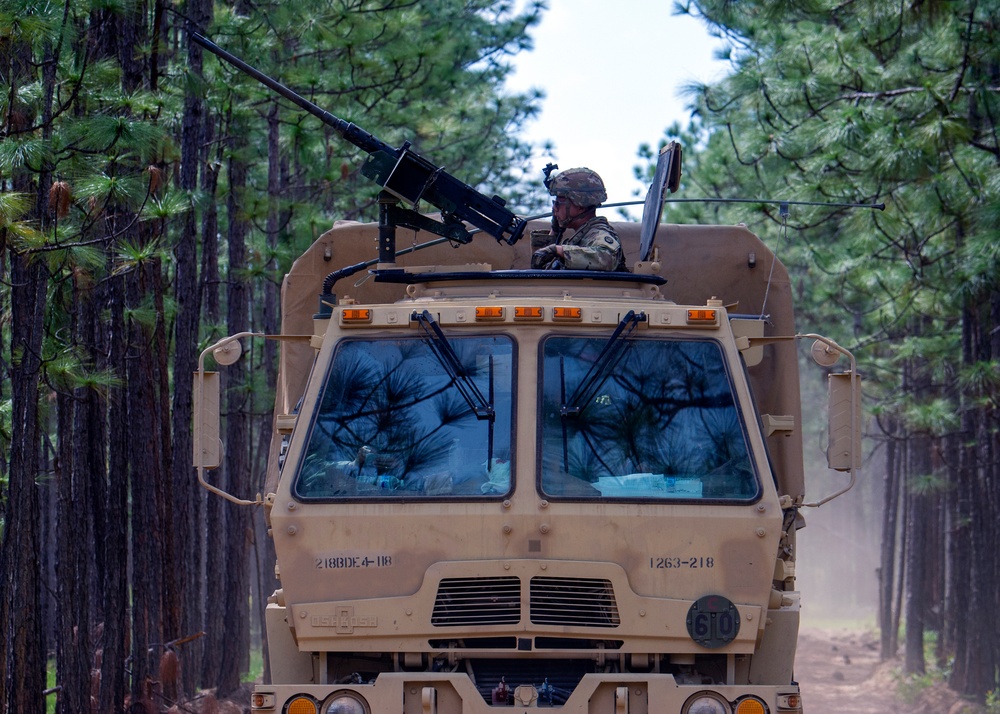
(118, 146)
(866, 102)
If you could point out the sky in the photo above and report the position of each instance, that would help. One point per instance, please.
(612, 71)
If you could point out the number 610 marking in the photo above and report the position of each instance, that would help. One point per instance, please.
(713, 621)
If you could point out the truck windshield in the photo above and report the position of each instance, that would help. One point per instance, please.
(393, 422)
(663, 425)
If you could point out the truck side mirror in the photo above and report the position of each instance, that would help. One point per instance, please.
(207, 444)
(843, 452)
(207, 432)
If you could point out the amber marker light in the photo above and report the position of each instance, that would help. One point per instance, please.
(356, 314)
(262, 701)
(567, 313)
(751, 705)
(302, 704)
(527, 313)
(790, 701)
(489, 313)
(701, 316)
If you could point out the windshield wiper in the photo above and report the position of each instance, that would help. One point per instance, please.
(446, 355)
(599, 371)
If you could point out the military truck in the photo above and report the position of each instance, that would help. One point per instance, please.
(496, 487)
(507, 488)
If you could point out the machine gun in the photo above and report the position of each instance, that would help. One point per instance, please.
(404, 176)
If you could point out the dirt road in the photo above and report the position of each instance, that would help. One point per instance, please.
(840, 673)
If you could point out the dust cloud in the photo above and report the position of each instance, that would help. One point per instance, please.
(838, 550)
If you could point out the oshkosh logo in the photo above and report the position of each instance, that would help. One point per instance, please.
(344, 620)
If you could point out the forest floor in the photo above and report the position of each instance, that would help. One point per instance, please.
(840, 673)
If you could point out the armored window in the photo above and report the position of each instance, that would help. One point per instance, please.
(656, 419)
(396, 420)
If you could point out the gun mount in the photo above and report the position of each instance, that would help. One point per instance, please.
(405, 176)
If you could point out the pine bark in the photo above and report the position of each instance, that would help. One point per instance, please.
(187, 296)
(890, 525)
(114, 545)
(207, 508)
(976, 649)
(216, 514)
(143, 470)
(22, 661)
(917, 518)
(22, 645)
(73, 656)
(238, 525)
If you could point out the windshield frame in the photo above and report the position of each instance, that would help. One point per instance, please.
(395, 338)
(746, 426)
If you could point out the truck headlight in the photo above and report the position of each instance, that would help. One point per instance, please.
(706, 703)
(345, 703)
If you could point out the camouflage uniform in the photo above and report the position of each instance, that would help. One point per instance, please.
(594, 246)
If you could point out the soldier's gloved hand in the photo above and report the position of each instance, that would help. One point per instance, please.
(542, 258)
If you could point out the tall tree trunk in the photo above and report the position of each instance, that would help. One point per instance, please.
(22, 646)
(170, 590)
(48, 493)
(23, 650)
(213, 523)
(5, 371)
(962, 536)
(147, 472)
(188, 300)
(209, 291)
(73, 654)
(210, 278)
(146, 457)
(900, 586)
(936, 555)
(238, 525)
(887, 560)
(990, 506)
(91, 453)
(918, 514)
(115, 540)
(976, 657)
(131, 37)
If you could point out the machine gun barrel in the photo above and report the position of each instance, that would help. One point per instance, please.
(402, 172)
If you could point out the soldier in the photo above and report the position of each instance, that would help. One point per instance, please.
(594, 245)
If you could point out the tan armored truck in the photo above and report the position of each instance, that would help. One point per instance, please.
(493, 487)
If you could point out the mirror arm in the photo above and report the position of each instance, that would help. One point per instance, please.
(833, 346)
(225, 342)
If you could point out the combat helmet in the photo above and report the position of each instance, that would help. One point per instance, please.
(582, 186)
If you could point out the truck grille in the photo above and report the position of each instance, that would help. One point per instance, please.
(584, 602)
(477, 601)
